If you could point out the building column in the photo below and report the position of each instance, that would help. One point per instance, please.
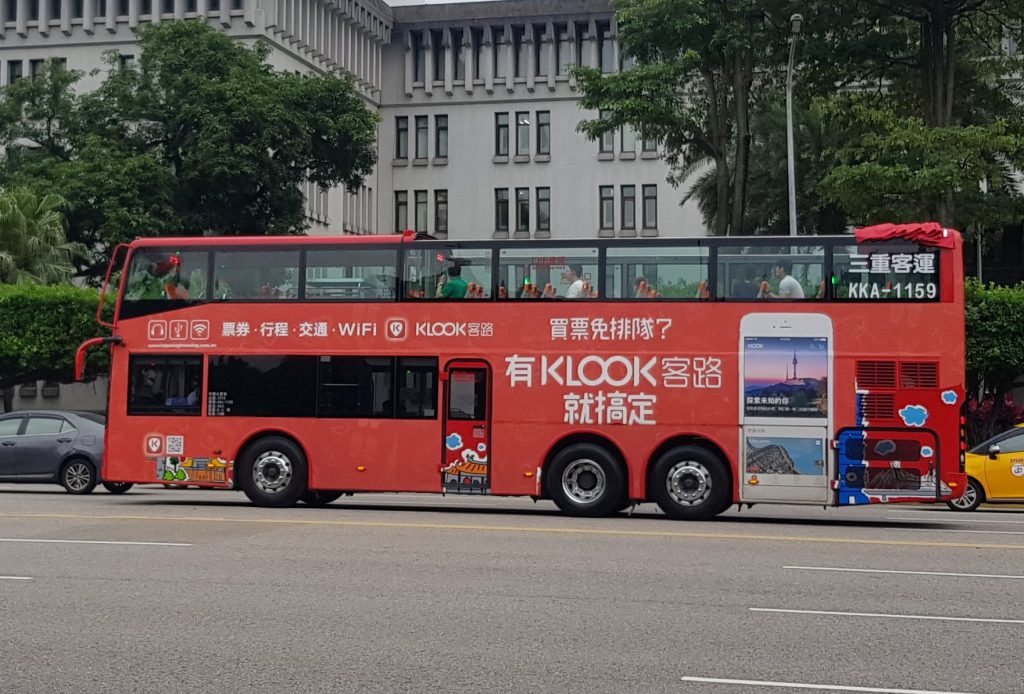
(529, 40)
(551, 38)
(467, 57)
(487, 57)
(427, 42)
(510, 60)
(450, 58)
(65, 16)
(409, 76)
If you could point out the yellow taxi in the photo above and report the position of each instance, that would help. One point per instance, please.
(995, 471)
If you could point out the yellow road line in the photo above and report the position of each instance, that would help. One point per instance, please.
(692, 535)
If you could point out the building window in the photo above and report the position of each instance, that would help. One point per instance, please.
(519, 50)
(460, 58)
(628, 207)
(441, 211)
(626, 62)
(543, 209)
(55, 8)
(35, 67)
(401, 210)
(477, 38)
(146, 8)
(421, 137)
(14, 71)
(441, 137)
(498, 52)
(607, 142)
(563, 48)
(650, 207)
(607, 207)
(541, 51)
(169, 6)
(501, 134)
(421, 210)
(522, 209)
(416, 39)
(605, 51)
(543, 132)
(437, 48)
(402, 137)
(628, 138)
(501, 209)
(523, 133)
(33, 9)
(126, 61)
(650, 144)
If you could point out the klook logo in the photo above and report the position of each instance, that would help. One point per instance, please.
(396, 329)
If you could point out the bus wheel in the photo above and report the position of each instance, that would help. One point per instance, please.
(586, 480)
(319, 497)
(273, 472)
(118, 487)
(690, 483)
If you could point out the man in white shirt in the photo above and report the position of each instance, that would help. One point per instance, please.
(789, 286)
(575, 290)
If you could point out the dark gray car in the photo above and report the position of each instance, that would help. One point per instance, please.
(54, 446)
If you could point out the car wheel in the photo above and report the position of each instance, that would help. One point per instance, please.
(690, 483)
(586, 480)
(971, 499)
(78, 476)
(319, 497)
(118, 487)
(273, 472)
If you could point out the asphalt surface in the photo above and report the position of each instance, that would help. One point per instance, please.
(404, 593)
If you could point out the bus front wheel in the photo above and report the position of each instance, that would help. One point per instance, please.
(273, 472)
(584, 479)
(690, 483)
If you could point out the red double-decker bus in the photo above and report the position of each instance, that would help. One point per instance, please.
(694, 373)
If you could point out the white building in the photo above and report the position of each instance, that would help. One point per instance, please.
(478, 114)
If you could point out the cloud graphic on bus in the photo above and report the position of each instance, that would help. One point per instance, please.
(914, 415)
(885, 447)
(453, 442)
(927, 452)
(949, 397)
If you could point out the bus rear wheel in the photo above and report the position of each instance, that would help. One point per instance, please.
(273, 472)
(690, 483)
(584, 479)
(319, 497)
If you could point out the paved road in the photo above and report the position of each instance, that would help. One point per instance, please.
(402, 593)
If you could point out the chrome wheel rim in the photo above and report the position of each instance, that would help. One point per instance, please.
(78, 476)
(272, 472)
(584, 481)
(688, 483)
(967, 499)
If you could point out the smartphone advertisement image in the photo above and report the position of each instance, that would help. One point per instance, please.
(785, 377)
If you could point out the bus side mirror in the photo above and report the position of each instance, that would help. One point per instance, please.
(993, 451)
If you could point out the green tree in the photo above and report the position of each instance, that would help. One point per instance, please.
(203, 137)
(40, 329)
(995, 359)
(33, 245)
(935, 120)
(693, 86)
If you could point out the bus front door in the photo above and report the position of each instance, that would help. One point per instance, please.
(466, 446)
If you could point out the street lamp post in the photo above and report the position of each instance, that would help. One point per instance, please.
(795, 23)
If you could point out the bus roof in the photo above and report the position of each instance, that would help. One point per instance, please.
(220, 241)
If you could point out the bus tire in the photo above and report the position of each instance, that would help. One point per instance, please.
(319, 497)
(118, 487)
(273, 472)
(690, 483)
(585, 479)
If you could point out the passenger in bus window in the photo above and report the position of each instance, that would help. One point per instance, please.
(789, 286)
(745, 288)
(455, 287)
(575, 278)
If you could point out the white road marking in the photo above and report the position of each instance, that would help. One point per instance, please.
(960, 519)
(887, 616)
(953, 530)
(15, 578)
(819, 687)
(97, 542)
(894, 571)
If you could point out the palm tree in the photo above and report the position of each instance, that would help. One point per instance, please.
(33, 244)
